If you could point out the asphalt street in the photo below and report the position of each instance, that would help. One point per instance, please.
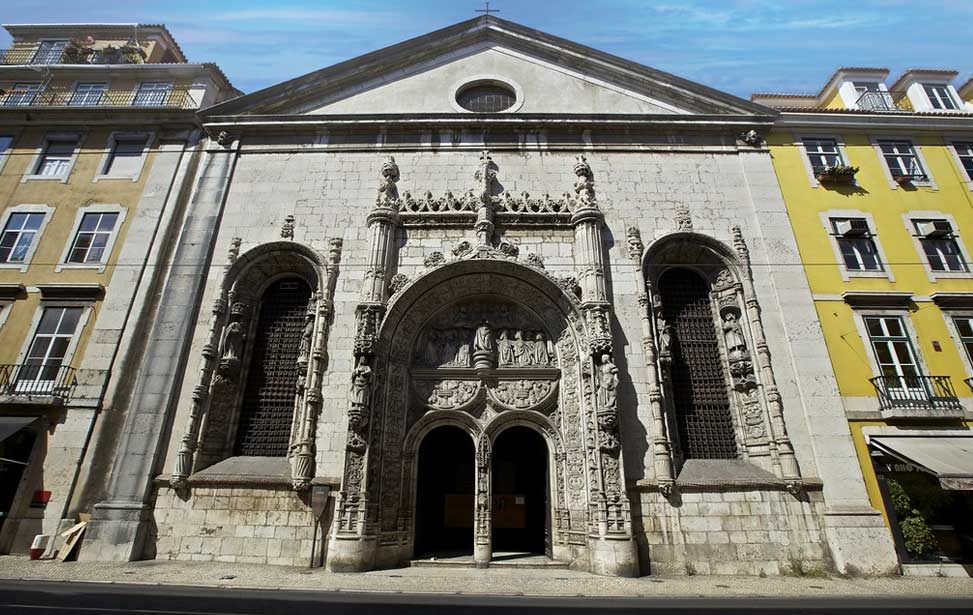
(39, 597)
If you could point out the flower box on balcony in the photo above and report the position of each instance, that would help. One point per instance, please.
(838, 174)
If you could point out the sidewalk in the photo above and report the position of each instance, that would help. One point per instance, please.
(468, 581)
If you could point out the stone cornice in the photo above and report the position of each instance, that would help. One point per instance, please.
(908, 122)
(877, 299)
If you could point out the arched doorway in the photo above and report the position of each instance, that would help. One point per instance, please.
(521, 501)
(444, 493)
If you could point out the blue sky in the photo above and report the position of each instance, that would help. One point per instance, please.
(739, 46)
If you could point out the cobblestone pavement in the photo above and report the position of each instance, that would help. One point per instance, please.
(468, 581)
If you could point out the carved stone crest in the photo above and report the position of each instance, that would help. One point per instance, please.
(287, 228)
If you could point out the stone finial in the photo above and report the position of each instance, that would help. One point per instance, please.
(234, 250)
(584, 186)
(287, 229)
(633, 238)
(740, 245)
(388, 192)
(334, 250)
(684, 218)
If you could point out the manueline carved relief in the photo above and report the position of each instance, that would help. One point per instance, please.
(446, 394)
(522, 394)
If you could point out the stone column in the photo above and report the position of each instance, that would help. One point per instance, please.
(353, 547)
(201, 392)
(612, 549)
(483, 523)
(121, 522)
(303, 447)
(785, 449)
(654, 328)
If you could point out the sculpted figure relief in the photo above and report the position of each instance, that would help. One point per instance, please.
(733, 333)
(608, 383)
(233, 342)
(484, 337)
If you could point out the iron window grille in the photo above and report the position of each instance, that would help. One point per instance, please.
(939, 243)
(92, 238)
(18, 235)
(902, 160)
(700, 392)
(857, 244)
(486, 98)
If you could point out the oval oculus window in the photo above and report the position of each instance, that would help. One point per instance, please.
(486, 97)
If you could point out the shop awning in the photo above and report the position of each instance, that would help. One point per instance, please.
(9, 425)
(950, 459)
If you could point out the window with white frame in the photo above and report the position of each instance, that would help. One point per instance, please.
(893, 351)
(822, 154)
(940, 97)
(125, 158)
(856, 244)
(93, 237)
(152, 93)
(88, 94)
(964, 327)
(55, 160)
(41, 371)
(22, 94)
(939, 243)
(965, 153)
(6, 141)
(49, 52)
(902, 160)
(18, 236)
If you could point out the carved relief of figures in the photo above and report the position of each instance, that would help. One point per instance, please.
(387, 190)
(361, 380)
(584, 186)
(483, 329)
(446, 394)
(741, 363)
(522, 394)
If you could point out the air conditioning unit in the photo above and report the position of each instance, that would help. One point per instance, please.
(851, 228)
(934, 228)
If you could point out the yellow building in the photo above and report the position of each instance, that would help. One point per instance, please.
(98, 143)
(878, 183)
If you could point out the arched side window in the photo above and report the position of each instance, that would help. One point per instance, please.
(700, 394)
(267, 409)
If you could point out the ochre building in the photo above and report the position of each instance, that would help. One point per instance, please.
(878, 184)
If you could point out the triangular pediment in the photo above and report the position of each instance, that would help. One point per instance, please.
(550, 76)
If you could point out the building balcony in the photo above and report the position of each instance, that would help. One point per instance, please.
(175, 98)
(32, 383)
(20, 56)
(879, 101)
(917, 396)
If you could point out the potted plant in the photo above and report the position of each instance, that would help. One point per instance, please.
(838, 174)
(78, 51)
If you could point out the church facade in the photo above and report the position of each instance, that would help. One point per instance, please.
(488, 292)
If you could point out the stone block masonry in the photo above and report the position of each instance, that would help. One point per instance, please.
(232, 524)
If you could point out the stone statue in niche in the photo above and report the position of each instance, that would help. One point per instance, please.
(305, 349)
(663, 331)
(736, 345)
(484, 351)
(232, 342)
(608, 383)
(505, 348)
(361, 379)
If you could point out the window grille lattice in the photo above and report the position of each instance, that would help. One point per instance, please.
(268, 400)
(699, 388)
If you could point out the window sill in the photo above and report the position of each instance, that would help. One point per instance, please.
(948, 275)
(50, 178)
(854, 273)
(127, 178)
(22, 267)
(100, 267)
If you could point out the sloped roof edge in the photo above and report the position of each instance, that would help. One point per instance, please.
(470, 31)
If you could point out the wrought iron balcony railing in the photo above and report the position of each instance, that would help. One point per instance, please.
(916, 393)
(878, 101)
(35, 379)
(71, 55)
(176, 98)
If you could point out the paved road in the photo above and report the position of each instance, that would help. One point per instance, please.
(42, 597)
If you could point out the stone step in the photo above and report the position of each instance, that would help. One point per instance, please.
(499, 561)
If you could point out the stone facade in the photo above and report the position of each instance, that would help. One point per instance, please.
(437, 255)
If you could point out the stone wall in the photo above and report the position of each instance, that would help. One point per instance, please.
(730, 531)
(232, 524)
